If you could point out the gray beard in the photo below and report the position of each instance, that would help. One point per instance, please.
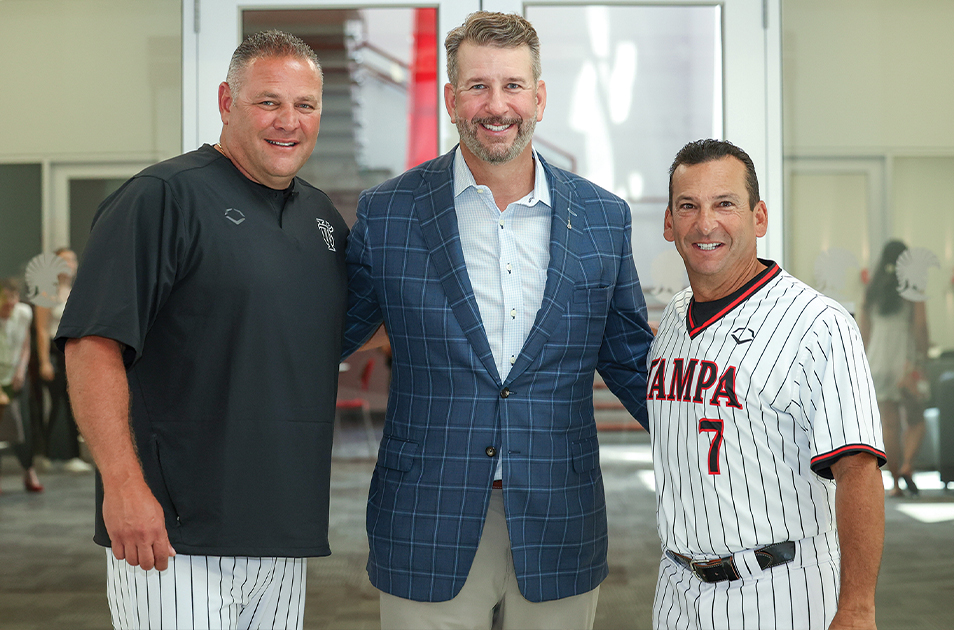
(495, 154)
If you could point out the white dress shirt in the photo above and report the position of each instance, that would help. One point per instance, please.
(507, 255)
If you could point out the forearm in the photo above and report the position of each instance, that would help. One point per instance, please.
(920, 330)
(20, 374)
(859, 511)
(42, 334)
(99, 394)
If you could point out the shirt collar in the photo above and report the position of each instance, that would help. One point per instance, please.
(464, 179)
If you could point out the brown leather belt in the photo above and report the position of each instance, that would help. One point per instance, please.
(722, 569)
(498, 484)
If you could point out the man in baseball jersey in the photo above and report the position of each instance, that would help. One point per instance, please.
(765, 432)
(202, 340)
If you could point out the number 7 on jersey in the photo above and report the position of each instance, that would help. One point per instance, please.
(708, 425)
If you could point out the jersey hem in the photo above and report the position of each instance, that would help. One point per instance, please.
(244, 552)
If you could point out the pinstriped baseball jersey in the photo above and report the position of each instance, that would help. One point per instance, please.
(749, 409)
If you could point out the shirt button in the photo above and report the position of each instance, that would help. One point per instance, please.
(509, 267)
(513, 313)
(513, 359)
(491, 451)
(505, 392)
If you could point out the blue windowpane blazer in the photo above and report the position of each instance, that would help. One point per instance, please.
(450, 417)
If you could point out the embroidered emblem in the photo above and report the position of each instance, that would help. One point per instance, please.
(743, 335)
(326, 230)
(235, 216)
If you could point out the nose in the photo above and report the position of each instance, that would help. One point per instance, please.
(496, 102)
(286, 117)
(706, 221)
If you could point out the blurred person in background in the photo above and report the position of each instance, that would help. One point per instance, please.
(895, 333)
(15, 319)
(52, 372)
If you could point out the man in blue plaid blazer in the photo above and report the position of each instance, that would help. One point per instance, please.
(503, 283)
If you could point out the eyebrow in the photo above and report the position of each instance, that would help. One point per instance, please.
(514, 79)
(274, 96)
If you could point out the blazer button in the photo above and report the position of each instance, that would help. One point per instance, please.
(504, 392)
(491, 451)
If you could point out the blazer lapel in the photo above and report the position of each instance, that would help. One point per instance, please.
(434, 203)
(563, 272)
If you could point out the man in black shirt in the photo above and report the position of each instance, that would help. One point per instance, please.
(202, 339)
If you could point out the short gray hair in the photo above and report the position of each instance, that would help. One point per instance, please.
(503, 30)
(267, 44)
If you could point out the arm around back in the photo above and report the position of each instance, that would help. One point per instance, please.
(99, 393)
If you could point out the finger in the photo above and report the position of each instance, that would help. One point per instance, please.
(163, 551)
(132, 555)
(146, 558)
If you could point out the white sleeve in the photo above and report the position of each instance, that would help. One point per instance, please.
(837, 393)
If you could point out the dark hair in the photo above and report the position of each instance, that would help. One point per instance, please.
(266, 44)
(710, 150)
(882, 291)
(504, 30)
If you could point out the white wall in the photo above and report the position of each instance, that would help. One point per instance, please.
(867, 75)
(90, 79)
(869, 138)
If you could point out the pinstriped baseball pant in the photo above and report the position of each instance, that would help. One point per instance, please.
(801, 595)
(207, 592)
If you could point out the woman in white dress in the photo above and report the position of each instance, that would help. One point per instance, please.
(895, 333)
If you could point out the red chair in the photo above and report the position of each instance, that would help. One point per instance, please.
(362, 406)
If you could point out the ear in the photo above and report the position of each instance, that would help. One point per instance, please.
(225, 102)
(761, 219)
(667, 226)
(450, 101)
(541, 99)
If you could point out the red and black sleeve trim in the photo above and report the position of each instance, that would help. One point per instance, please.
(821, 464)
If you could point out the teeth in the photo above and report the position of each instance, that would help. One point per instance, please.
(281, 144)
(496, 127)
(707, 246)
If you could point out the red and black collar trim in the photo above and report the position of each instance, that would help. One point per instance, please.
(714, 311)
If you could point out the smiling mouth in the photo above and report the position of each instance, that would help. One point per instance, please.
(497, 127)
(281, 144)
(708, 247)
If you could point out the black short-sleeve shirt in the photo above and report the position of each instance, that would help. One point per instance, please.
(230, 299)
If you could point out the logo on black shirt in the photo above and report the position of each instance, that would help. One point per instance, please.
(326, 229)
(235, 216)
